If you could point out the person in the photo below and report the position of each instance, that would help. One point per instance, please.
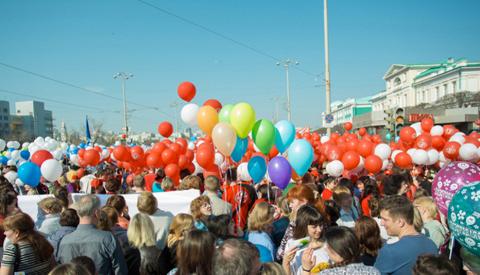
(374, 206)
(195, 254)
(190, 182)
(219, 206)
(471, 262)
(85, 262)
(368, 235)
(28, 251)
(348, 213)
(167, 184)
(49, 215)
(155, 185)
(182, 223)
(8, 205)
(112, 186)
(69, 269)
(272, 268)
(86, 240)
(142, 237)
(147, 204)
(433, 264)
(329, 184)
(394, 185)
(433, 228)
(201, 209)
(118, 202)
(280, 225)
(370, 189)
(397, 214)
(343, 250)
(68, 223)
(222, 227)
(264, 194)
(259, 229)
(139, 184)
(236, 257)
(61, 193)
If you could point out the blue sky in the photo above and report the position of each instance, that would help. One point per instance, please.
(85, 42)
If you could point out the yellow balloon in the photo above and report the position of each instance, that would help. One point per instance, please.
(224, 138)
(242, 118)
(207, 118)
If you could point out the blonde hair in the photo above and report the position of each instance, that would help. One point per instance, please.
(51, 204)
(417, 220)
(196, 204)
(272, 268)
(181, 224)
(167, 184)
(190, 182)
(261, 217)
(212, 183)
(341, 193)
(147, 203)
(140, 231)
(428, 204)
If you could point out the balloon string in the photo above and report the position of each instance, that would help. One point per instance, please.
(452, 243)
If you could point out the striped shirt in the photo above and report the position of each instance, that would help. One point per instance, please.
(29, 262)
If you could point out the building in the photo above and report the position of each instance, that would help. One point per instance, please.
(33, 118)
(345, 111)
(4, 118)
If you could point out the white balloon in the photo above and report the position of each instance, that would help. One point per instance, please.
(2, 144)
(25, 144)
(74, 159)
(39, 141)
(468, 151)
(411, 151)
(335, 168)
(10, 144)
(324, 139)
(433, 156)
(51, 145)
(51, 169)
(420, 157)
(385, 164)
(242, 172)
(57, 154)
(189, 114)
(11, 176)
(436, 130)
(11, 162)
(15, 155)
(32, 148)
(394, 154)
(383, 151)
(418, 128)
(191, 145)
(457, 138)
(218, 159)
(105, 154)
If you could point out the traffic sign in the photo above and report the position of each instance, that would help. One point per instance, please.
(329, 118)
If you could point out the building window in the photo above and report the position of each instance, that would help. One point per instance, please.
(437, 94)
(5, 110)
(454, 86)
(445, 88)
(405, 102)
(397, 81)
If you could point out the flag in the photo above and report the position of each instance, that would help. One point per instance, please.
(87, 130)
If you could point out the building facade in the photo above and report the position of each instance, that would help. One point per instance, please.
(32, 117)
(345, 111)
(4, 118)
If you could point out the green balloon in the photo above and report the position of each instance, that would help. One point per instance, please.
(224, 115)
(388, 136)
(263, 134)
(289, 186)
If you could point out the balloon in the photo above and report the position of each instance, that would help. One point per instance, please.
(436, 130)
(213, 103)
(365, 148)
(458, 138)
(403, 160)
(423, 141)
(257, 167)
(362, 131)
(408, 134)
(451, 149)
(172, 171)
(449, 130)
(433, 156)
(280, 171)
(347, 126)
(242, 172)
(207, 118)
(263, 134)
(186, 91)
(468, 151)
(169, 156)
(383, 151)
(29, 173)
(426, 124)
(420, 157)
(438, 142)
(121, 153)
(224, 138)
(450, 179)
(350, 160)
(335, 168)
(242, 118)
(165, 129)
(3, 160)
(51, 170)
(219, 159)
(373, 164)
(463, 219)
(334, 153)
(300, 156)
(205, 157)
(189, 114)
(388, 136)
(240, 148)
(284, 135)
(91, 157)
(224, 115)
(2, 144)
(39, 157)
(154, 160)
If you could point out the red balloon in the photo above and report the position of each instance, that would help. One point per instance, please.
(91, 157)
(352, 145)
(190, 155)
(175, 147)
(182, 142)
(334, 153)
(449, 131)
(159, 147)
(214, 103)
(169, 156)
(273, 152)
(137, 152)
(98, 149)
(365, 148)
(191, 168)
(423, 141)
(165, 129)
(451, 149)
(373, 164)
(350, 160)
(172, 171)
(408, 134)
(205, 157)
(427, 124)
(403, 160)
(40, 156)
(80, 153)
(347, 126)
(376, 139)
(183, 162)
(186, 91)
(362, 131)
(334, 137)
(472, 139)
(154, 160)
(213, 171)
(121, 153)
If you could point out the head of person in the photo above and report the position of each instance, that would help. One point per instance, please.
(147, 203)
(20, 227)
(426, 207)
(471, 262)
(347, 183)
(61, 193)
(69, 269)
(265, 191)
(86, 262)
(195, 253)
(140, 231)
(368, 235)
(261, 217)
(330, 183)
(282, 207)
(51, 205)
(159, 175)
(181, 224)
(272, 268)
(394, 185)
(201, 207)
(342, 245)
(342, 196)
(119, 203)
(237, 257)
(139, 182)
(362, 182)
(190, 182)
(69, 217)
(434, 264)
(397, 214)
(8, 203)
(87, 208)
(112, 185)
(220, 226)
(309, 222)
(374, 206)
(167, 184)
(212, 184)
(417, 220)
(107, 218)
(300, 195)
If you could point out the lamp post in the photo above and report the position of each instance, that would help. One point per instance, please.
(327, 64)
(124, 76)
(286, 64)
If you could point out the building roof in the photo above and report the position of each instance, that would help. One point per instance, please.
(448, 65)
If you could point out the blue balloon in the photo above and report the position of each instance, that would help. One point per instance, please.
(25, 154)
(29, 173)
(388, 136)
(300, 156)
(257, 167)
(82, 145)
(3, 160)
(240, 148)
(284, 135)
(75, 151)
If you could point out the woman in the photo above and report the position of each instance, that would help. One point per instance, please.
(368, 235)
(260, 223)
(222, 227)
(48, 221)
(433, 228)
(201, 209)
(343, 250)
(8, 205)
(370, 190)
(29, 250)
(308, 232)
(69, 269)
(142, 237)
(118, 202)
(181, 224)
(68, 223)
(344, 199)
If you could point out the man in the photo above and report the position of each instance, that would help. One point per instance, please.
(399, 258)
(236, 257)
(219, 206)
(86, 240)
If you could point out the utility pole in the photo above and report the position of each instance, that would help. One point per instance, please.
(327, 64)
(286, 64)
(124, 76)
(175, 105)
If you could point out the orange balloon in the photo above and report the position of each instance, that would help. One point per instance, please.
(373, 164)
(347, 126)
(427, 124)
(365, 148)
(205, 157)
(207, 118)
(350, 160)
(451, 149)
(408, 134)
(362, 131)
(169, 156)
(403, 160)
(172, 171)
(91, 157)
(121, 153)
(154, 160)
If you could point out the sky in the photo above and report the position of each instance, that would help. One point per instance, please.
(65, 53)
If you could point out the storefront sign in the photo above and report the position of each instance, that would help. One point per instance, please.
(418, 117)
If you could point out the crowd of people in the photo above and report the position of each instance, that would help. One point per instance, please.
(383, 224)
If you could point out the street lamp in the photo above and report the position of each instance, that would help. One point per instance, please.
(286, 64)
(327, 64)
(124, 76)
